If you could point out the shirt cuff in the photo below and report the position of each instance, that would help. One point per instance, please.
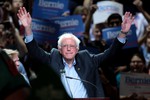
(28, 38)
(122, 40)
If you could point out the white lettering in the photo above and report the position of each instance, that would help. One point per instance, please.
(67, 23)
(56, 5)
(38, 27)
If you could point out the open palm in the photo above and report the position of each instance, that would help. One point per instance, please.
(24, 17)
(126, 24)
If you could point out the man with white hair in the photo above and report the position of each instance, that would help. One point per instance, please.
(78, 70)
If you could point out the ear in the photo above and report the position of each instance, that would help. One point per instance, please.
(59, 49)
(77, 49)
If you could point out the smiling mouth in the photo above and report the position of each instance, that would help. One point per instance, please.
(69, 53)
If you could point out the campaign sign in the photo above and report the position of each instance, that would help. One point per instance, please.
(73, 24)
(134, 83)
(45, 9)
(105, 9)
(109, 34)
(45, 31)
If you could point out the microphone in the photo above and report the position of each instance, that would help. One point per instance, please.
(62, 71)
(82, 81)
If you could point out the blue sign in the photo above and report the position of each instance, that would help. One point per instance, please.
(45, 9)
(45, 31)
(109, 34)
(72, 24)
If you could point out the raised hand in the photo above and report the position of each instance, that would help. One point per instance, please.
(127, 21)
(25, 19)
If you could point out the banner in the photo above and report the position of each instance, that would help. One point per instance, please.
(135, 83)
(73, 24)
(105, 9)
(108, 34)
(45, 9)
(45, 31)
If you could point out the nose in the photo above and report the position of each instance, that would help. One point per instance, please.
(17, 63)
(68, 47)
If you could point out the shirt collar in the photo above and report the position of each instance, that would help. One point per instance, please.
(65, 63)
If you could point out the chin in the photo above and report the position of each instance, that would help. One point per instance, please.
(69, 58)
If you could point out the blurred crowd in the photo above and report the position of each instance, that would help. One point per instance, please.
(133, 60)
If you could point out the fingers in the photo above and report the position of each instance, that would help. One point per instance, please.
(28, 14)
(18, 15)
(128, 17)
(19, 12)
(22, 11)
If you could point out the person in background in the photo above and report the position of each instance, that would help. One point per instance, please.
(99, 42)
(144, 45)
(12, 85)
(114, 20)
(140, 7)
(136, 65)
(14, 55)
(10, 8)
(67, 61)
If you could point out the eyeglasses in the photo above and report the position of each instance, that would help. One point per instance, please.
(68, 46)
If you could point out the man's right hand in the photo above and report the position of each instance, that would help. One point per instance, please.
(25, 19)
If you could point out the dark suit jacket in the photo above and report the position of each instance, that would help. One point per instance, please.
(86, 64)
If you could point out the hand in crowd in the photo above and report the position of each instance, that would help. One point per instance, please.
(138, 3)
(25, 19)
(93, 8)
(127, 21)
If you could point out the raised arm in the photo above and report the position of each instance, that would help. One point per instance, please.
(25, 19)
(126, 24)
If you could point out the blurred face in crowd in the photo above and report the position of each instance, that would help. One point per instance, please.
(84, 14)
(15, 58)
(68, 49)
(17, 4)
(97, 33)
(114, 23)
(136, 64)
(83, 11)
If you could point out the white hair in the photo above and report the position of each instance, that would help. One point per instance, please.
(68, 35)
(11, 52)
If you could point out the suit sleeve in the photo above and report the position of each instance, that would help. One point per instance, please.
(109, 55)
(37, 53)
